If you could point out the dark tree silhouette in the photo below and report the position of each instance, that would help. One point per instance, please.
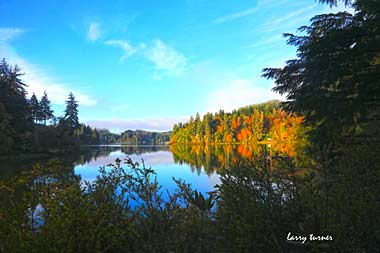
(13, 106)
(46, 112)
(19, 118)
(34, 107)
(334, 81)
(71, 112)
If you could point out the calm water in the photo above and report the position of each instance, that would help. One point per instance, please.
(159, 158)
(197, 165)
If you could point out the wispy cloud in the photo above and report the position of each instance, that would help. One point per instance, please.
(269, 33)
(39, 80)
(290, 20)
(339, 8)
(127, 48)
(9, 33)
(236, 15)
(149, 124)
(268, 41)
(94, 31)
(238, 93)
(293, 14)
(166, 58)
(266, 5)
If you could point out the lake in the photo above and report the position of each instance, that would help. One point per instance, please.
(27, 179)
(159, 158)
(197, 165)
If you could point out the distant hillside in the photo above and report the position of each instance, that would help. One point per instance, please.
(104, 136)
(139, 137)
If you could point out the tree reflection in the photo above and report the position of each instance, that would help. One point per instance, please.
(138, 150)
(217, 157)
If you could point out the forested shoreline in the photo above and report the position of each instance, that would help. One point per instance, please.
(251, 124)
(142, 137)
(29, 125)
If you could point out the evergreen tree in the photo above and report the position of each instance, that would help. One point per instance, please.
(46, 112)
(192, 128)
(34, 108)
(207, 127)
(71, 112)
(6, 131)
(334, 81)
(14, 107)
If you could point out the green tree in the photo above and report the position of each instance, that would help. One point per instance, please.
(14, 105)
(334, 81)
(34, 107)
(71, 112)
(207, 128)
(6, 131)
(192, 128)
(46, 112)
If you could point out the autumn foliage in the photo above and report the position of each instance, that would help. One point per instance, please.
(250, 124)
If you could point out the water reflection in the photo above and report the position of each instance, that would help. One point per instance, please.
(214, 158)
(33, 189)
(160, 158)
(196, 164)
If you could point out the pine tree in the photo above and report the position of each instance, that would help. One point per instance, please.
(13, 95)
(334, 81)
(6, 131)
(34, 108)
(46, 112)
(71, 112)
(207, 127)
(14, 106)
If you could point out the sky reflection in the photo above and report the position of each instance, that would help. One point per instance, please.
(163, 164)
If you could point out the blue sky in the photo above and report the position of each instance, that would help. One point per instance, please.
(148, 64)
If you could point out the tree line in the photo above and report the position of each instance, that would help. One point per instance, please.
(249, 124)
(29, 125)
(138, 137)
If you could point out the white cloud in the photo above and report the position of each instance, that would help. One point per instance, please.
(127, 48)
(268, 40)
(149, 124)
(94, 31)
(294, 17)
(9, 33)
(261, 4)
(38, 79)
(239, 93)
(166, 59)
(235, 15)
